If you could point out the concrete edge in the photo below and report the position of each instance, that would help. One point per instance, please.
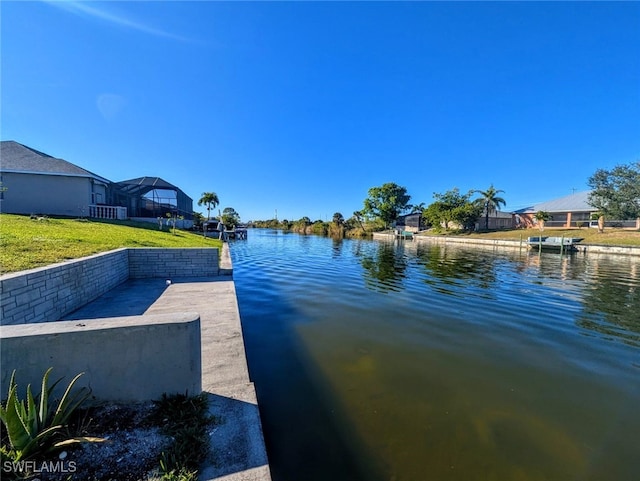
(238, 450)
(225, 267)
(516, 244)
(87, 325)
(237, 442)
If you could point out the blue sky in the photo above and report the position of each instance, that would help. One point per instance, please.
(303, 106)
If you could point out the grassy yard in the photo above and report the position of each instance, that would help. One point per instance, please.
(591, 236)
(27, 243)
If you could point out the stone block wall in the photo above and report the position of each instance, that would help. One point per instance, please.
(47, 293)
(175, 262)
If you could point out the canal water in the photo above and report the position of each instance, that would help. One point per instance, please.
(414, 361)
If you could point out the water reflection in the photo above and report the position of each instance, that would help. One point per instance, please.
(385, 268)
(612, 302)
(607, 287)
(449, 268)
(336, 247)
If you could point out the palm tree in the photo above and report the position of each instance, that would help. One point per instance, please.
(210, 199)
(417, 208)
(490, 201)
(541, 216)
(358, 216)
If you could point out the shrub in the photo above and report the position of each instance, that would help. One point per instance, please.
(33, 427)
(185, 419)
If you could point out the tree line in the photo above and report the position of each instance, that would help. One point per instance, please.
(615, 193)
(386, 203)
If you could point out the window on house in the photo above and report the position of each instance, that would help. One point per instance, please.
(576, 216)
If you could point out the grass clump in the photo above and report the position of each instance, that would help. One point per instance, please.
(185, 419)
(26, 243)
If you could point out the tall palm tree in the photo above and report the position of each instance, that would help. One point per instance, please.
(490, 201)
(210, 199)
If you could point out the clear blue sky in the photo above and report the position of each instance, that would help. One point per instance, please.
(302, 107)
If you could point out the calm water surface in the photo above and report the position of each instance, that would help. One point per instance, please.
(382, 361)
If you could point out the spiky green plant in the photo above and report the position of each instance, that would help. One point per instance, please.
(32, 424)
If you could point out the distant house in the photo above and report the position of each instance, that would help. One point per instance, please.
(569, 211)
(37, 183)
(153, 197)
(497, 220)
(409, 222)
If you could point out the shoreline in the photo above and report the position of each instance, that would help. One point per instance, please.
(514, 244)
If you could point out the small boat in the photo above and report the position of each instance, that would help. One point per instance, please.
(554, 243)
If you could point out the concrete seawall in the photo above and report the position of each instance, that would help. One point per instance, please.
(513, 244)
(174, 336)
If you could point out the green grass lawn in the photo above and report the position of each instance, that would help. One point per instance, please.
(27, 243)
(610, 236)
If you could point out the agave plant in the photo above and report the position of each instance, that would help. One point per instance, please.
(32, 425)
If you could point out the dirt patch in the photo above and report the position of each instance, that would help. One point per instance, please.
(131, 451)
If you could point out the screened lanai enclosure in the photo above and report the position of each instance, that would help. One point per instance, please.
(153, 197)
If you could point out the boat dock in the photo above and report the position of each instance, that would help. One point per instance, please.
(560, 244)
(217, 230)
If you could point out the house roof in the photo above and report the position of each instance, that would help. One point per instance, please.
(153, 182)
(15, 157)
(142, 185)
(578, 202)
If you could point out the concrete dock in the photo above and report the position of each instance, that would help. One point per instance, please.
(237, 443)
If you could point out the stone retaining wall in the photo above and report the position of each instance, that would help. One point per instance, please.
(174, 262)
(48, 293)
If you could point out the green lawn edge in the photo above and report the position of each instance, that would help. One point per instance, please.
(27, 243)
(590, 236)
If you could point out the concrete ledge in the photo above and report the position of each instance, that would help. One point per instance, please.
(607, 249)
(124, 358)
(226, 268)
(237, 445)
(484, 242)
